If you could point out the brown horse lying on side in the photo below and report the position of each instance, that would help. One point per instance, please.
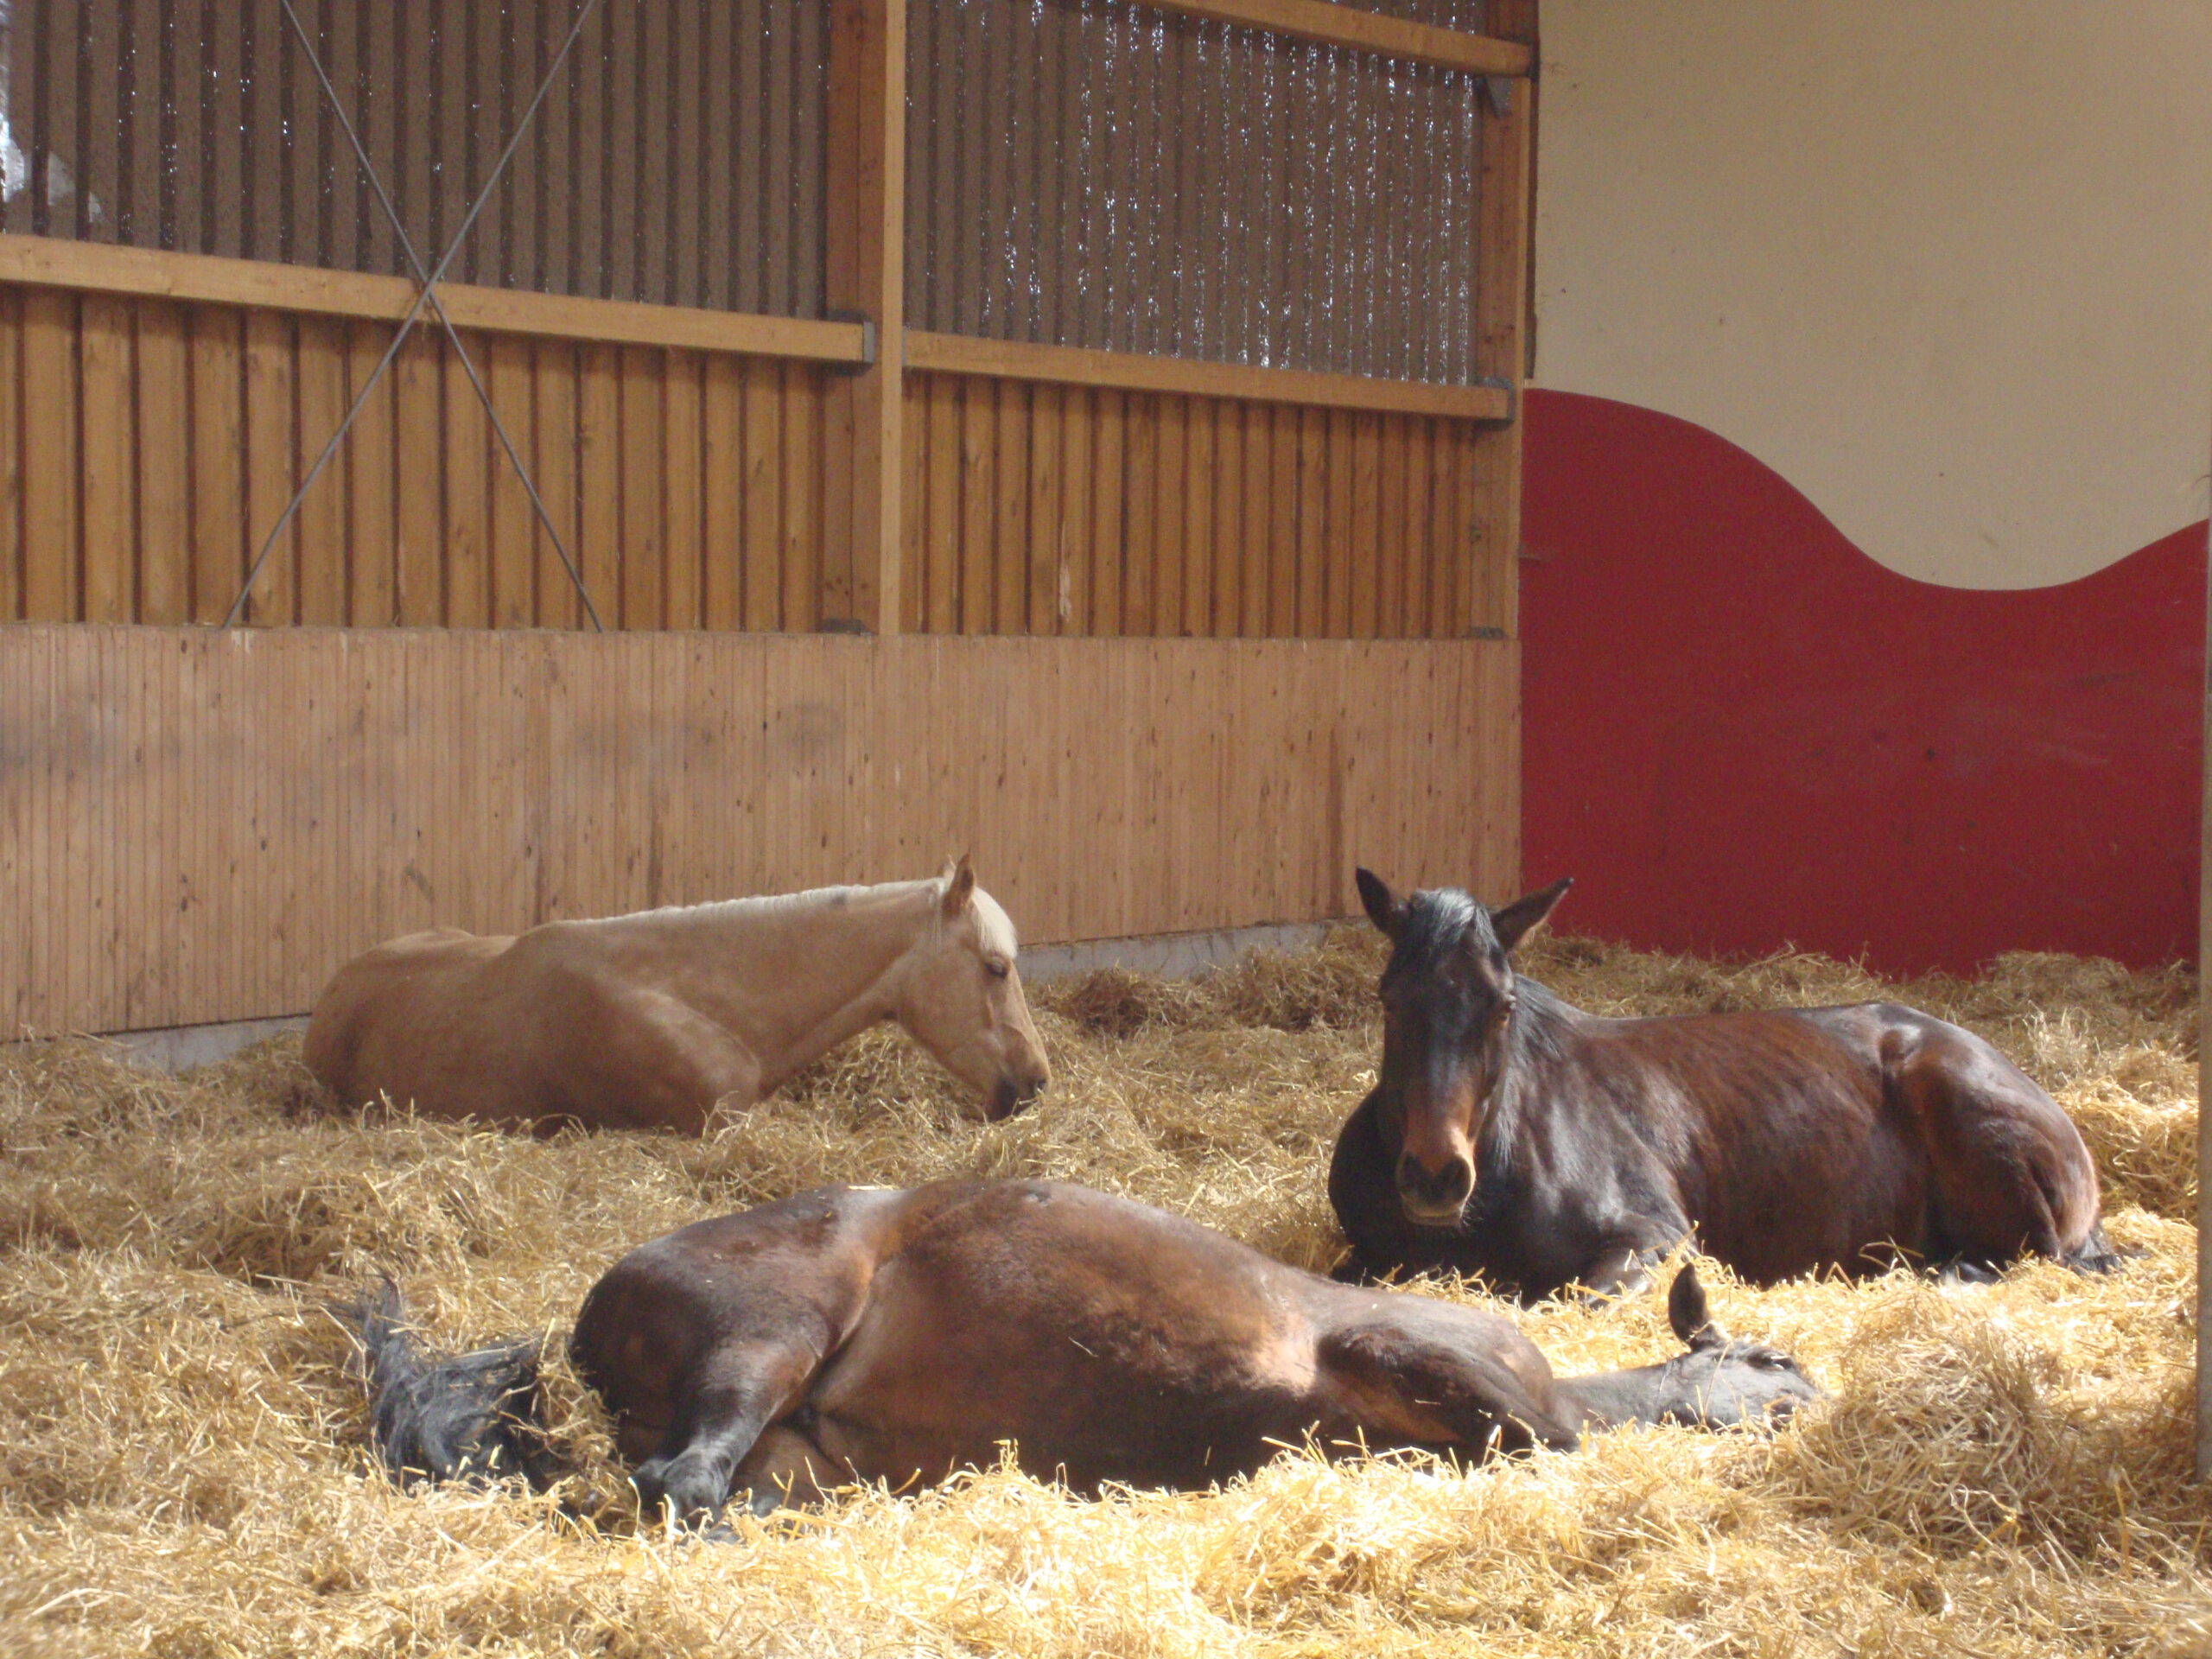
(650, 1020)
(879, 1335)
(1514, 1135)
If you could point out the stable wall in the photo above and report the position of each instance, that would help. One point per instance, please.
(1842, 310)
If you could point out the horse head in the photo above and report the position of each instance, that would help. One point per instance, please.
(1447, 1011)
(960, 998)
(1724, 1381)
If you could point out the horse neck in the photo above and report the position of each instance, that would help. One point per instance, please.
(792, 979)
(1645, 1394)
(1544, 1038)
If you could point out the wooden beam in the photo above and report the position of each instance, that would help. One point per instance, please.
(1485, 583)
(1365, 31)
(865, 274)
(1070, 366)
(2203, 1079)
(49, 262)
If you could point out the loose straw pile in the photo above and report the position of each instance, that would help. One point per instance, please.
(2004, 1470)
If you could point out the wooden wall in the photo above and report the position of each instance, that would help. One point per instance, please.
(147, 447)
(1041, 509)
(199, 826)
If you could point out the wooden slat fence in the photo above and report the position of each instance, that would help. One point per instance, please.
(146, 447)
(197, 825)
(1042, 509)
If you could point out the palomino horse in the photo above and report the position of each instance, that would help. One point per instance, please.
(1512, 1134)
(651, 1020)
(872, 1334)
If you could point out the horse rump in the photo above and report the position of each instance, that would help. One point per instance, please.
(436, 1417)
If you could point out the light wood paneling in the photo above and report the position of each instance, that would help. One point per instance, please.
(166, 438)
(1077, 510)
(199, 825)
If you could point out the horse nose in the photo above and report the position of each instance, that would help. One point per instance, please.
(1012, 1092)
(1437, 1194)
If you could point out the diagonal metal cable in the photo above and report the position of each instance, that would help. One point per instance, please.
(422, 276)
(427, 296)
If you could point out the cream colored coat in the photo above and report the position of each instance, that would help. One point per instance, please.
(657, 1019)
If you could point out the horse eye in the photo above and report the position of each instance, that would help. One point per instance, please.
(998, 966)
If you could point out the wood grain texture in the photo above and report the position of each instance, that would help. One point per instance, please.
(168, 438)
(389, 779)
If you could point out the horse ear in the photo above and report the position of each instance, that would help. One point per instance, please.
(1383, 906)
(1514, 922)
(1686, 1311)
(960, 889)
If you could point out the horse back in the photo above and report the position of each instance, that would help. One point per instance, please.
(383, 1018)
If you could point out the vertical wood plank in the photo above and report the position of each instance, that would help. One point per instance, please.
(683, 492)
(271, 433)
(371, 483)
(721, 461)
(511, 526)
(163, 419)
(1202, 550)
(645, 508)
(468, 457)
(600, 552)
(218, 447)
(800, 415)
(1110, 490)
(553, 377)
(764, 593)
(1140, 533)
(1042, 526)
(979, 453)
(1010, 530)
(49, 459)
(111, 477)
(1072, 552)
(322, 401)
(418, 417)
(1360, 554)
(941, 556)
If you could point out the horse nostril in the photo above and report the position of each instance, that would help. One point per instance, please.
(1447, 1188)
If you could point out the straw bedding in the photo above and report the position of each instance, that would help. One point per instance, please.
(2003, 1470)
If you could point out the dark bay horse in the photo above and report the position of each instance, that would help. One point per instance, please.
(880, 1335)
(1513, 1134)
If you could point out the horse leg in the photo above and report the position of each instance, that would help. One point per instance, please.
(1394, 1385)
(1633, 1245)
(742, 1388)
(785, 1468)
(657, 1062)
(2008, 1174)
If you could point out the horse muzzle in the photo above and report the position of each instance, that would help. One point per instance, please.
(1436, 1198)
(1011, 1094)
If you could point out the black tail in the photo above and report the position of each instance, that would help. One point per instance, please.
(447, 1416)
(2100, 1255)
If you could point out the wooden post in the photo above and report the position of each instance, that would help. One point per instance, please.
(866, 271)
(1484, 574)
(2203, 1073)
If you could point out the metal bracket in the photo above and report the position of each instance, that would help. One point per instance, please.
(1496, 382)
(1497, 92)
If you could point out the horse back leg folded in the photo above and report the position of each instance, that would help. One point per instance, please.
(2008, 1173)
(741, 1391)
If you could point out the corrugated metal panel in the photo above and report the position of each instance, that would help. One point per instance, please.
(677, 160)
(1163, 184)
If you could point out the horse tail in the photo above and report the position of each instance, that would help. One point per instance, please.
(2098, 1254)
(436, 1417)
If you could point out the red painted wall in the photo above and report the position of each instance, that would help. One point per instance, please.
(1741, 732)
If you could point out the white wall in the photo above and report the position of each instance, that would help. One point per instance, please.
(1944, 264)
